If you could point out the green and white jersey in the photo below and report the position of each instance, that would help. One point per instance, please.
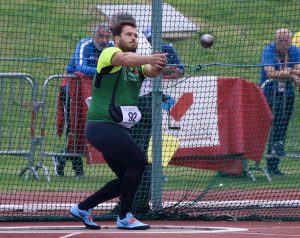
(127, 92)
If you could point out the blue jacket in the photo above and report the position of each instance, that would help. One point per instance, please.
(85, 58)
(269, 57)
(172, 56)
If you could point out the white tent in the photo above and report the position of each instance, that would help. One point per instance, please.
(174, 23)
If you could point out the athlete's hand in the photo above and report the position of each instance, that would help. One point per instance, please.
(158, 61)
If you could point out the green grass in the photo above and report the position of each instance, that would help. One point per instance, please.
(50, 29)
(96, 176)
(178, 178)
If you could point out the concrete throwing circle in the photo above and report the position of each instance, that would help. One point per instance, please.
(112, 229)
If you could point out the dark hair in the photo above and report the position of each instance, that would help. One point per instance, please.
(119, 27)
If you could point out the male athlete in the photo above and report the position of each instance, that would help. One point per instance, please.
(113, 109)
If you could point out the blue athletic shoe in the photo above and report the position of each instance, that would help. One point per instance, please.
(131, 223)
(85, 217)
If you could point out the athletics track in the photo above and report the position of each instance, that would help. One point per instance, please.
(160, 229)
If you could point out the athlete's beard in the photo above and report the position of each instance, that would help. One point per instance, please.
(125, 48)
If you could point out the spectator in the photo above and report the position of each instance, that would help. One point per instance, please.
(84, 60)
(281, 65)
(170, 72)
(120, 73)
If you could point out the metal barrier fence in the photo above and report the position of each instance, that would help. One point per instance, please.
(50, 97)
(18, 118)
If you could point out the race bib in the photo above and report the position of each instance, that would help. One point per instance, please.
(131, 116)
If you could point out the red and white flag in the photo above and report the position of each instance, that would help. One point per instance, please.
(222, 120)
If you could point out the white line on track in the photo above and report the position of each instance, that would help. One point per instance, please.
(112, 230)
(70, 235)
